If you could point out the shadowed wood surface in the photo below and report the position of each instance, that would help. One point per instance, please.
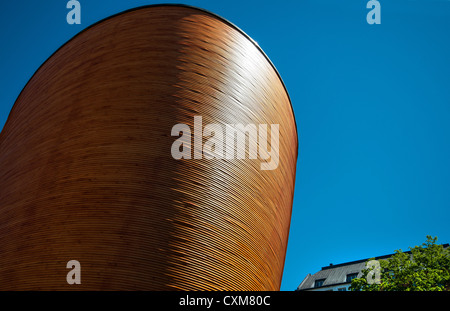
(86, 171)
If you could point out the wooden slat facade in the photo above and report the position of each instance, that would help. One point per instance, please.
(86, 171)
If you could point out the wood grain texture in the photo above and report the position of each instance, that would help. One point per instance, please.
(86, 171)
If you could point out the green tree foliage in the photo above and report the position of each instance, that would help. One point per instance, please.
(426, 268)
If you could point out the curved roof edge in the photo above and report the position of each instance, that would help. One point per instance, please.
(162, 5)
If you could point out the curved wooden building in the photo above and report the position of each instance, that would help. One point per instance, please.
(87, 174)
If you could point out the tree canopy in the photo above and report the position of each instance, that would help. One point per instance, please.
(423, 268)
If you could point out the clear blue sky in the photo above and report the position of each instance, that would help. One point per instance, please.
(372, 104)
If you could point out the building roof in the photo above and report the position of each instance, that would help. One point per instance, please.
(333, 275)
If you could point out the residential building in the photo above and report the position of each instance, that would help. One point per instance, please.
(337, 277)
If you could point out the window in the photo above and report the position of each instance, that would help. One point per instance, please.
(351, 276)
(319, 283)
(342, 289)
